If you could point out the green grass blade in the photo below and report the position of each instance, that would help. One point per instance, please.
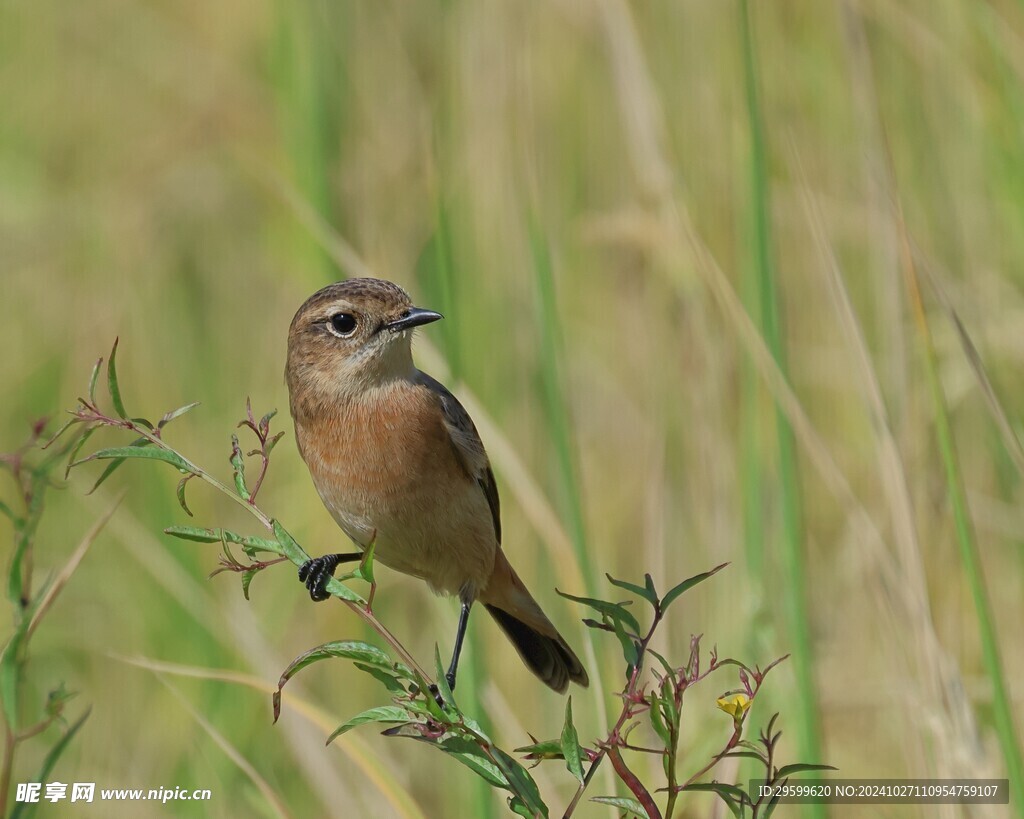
(555, 401)
(310, 73)
(112, 385)
(970, 559)
(763, 288)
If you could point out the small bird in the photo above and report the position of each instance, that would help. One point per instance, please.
(397, 461)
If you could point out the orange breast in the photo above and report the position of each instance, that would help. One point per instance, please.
(386, 468)
(381, 447)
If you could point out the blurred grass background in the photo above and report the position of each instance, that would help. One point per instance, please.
(665, 238)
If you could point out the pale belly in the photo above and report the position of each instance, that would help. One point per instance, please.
(425, 515)
(443, 537)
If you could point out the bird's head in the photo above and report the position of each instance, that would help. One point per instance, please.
(352, 336)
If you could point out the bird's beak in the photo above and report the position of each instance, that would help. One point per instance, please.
(413, 317)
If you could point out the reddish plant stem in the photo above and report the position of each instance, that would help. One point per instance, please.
(629, 702)
(636, 787)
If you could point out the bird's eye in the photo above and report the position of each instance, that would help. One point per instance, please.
(342, 324)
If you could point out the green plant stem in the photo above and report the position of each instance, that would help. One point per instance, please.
(969, 557)
(10, 746)
(673, 780)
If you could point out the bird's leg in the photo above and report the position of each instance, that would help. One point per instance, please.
(316, 572)
(460, 636)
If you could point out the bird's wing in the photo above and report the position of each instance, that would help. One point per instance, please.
(467, 445)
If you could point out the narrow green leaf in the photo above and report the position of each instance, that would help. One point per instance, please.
(615, 611)
(442, 683)
(646, 592)
(290, 548)
(9, 675)
(264, 425)
(114, 464)
(472, 756)
(247, 577)
(24, 810)
(671, 712)
(657, 720)
(151, 453)
(474, 727)
(112, 386)
(387, 678)
(723, 789)
(272, 442)
(733, 797)
(546, 749)
(669, 670)
(338, 589)
(350, 649)
(196, 533)
(428, 705)
(570, 743)
(630, 652)
(364, 571)
(688, 584)
(60, 431)
(181, 494)
(76, 449)
(93, 378)
(384, 713)
(10, 666)
(520, 781)
(201, 535)
(801, 767)
(622, 803)
(649, 585)
(520, 808)
(170, 416)
(111, 468)
(238, 469)
(6, 510)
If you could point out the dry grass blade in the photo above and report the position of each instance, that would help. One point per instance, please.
(906, 601)
(357, 752)
(969, 556)
(1010, 440)
(635, 80)
(273, 799)
(61, 580)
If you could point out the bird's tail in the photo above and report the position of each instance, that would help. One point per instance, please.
(538, 642)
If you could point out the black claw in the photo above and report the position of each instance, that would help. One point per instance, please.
(437, 694)
(315, 573)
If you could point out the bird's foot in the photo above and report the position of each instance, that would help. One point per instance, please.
(316, 572)
(436, 693)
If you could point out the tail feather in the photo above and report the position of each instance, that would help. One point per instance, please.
(538, 642)
(547, 657)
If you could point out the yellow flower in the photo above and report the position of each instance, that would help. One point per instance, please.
(735, 706)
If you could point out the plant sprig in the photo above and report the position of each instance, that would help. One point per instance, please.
(32, 475)
(426, 710)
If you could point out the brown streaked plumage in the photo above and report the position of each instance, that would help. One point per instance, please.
(397, 460)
